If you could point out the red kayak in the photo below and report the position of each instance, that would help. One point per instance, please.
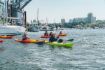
(1, 41)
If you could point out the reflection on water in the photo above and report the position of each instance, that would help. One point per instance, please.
(88, 53)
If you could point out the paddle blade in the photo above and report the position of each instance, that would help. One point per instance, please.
(70, 40)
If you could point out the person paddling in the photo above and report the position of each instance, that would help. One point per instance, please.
(50, 33)
(53, 38)
(24, 37)
(60, 41)
(46, 33)
(60, 32)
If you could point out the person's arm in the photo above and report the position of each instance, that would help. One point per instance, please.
(56, 38)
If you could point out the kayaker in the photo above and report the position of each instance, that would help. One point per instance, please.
(24, 37)
(46, 33)
(60, 32)
(53, 38)
(50, 33)
(60, 41)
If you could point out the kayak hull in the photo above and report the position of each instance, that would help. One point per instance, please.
(6, 37)
(66, 45)
(62, 35)
(29, 41)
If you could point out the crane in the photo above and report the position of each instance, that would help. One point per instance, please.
(15, 7)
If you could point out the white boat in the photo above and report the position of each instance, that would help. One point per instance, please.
(11, 29)
(33, 27)
(46, 28)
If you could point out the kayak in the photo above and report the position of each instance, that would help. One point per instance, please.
(62, 35)
(6, 37)
(29, 41)
(45, 36)
(66, 45)
(1, 41)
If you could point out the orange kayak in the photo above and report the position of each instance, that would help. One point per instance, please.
(6, 37)
(62, 35)
(29, 41)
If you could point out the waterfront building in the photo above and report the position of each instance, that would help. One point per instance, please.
(71, 21)
(91, 18)
(63, 21)
(79, 20)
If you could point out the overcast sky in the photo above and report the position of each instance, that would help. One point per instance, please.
(54, 10)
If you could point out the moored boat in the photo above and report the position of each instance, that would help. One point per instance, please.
(11, 30)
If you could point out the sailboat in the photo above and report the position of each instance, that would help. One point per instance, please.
(45, 27)
(34, 26)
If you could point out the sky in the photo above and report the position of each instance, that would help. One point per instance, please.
(55, 10)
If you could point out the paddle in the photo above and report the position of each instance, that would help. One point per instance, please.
(40, 43)
(70, 40)
(43, 42)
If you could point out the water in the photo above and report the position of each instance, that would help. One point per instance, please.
(88, 53)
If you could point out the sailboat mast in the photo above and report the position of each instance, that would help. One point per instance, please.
(38, 16)
(46, 22)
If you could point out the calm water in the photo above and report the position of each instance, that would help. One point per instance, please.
(88, 53)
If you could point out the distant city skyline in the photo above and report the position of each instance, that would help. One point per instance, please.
(55, 10)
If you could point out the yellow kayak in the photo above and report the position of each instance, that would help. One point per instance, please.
(6, 37)
(29, 41)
